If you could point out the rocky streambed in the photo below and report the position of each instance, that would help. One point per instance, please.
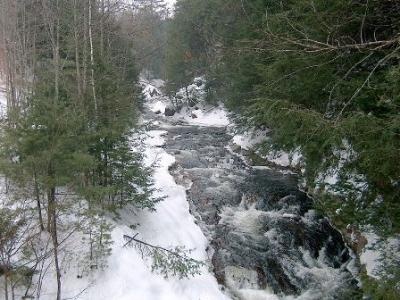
(265, 238)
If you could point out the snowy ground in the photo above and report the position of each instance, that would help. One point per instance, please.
(204, 116)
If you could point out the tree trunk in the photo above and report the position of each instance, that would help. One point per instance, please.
(54, 235)
(77, 64)
(102, 29)
(92, 80)
(51, 194)
(5, 286)
(84, 59)
(56, 59)
(38, 204)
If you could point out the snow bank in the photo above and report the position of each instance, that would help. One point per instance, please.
(195, 110)
(193, 93)
(158, 106)
(280, 158)
(379, 253)
(128, 275)
(334, 174)
(249, 139)
(252, 138)
(204, 116)
(370, 255)
(197, 113)
(152, 90)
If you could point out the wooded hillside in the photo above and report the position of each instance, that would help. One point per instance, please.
(322, 75)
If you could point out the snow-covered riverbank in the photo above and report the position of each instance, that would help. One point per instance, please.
(129, 275)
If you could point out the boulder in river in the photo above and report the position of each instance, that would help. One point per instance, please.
(169, 111)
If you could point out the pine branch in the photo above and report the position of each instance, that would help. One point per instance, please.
(175, 262)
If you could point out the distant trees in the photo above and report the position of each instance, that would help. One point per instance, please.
(146, 26)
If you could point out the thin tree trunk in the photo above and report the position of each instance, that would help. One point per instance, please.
(54, 235)
(102, 29)
(51, 198)
(38, 204)
(77, 64)
(5, 286)
(84, 59)
(56, 57)
(92, 80)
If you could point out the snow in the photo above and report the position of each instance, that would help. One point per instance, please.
(296, 158)
(252, 138)
(170, 3)
(331, 177)
(3, 99)
(249, 139)
(249, 294)
(158, 106)
(194, 92)
(379, 253)
(201, 114)
(370, 256)
(280, 158)
(204, 116)
(151, 89)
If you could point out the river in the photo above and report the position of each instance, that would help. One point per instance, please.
(265, 239)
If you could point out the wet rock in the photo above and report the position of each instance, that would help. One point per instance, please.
(236, 148)
(198, 82)
(178, 107)
(154, 92)
(169, 111)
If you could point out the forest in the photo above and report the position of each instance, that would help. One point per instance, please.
(91, 168)
(322, 75)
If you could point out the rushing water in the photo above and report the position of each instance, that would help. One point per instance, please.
(264, 235)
